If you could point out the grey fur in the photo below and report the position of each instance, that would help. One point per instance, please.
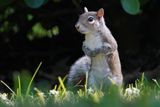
(101, 50)
(85, 9)
(78, 70)
(91, 53)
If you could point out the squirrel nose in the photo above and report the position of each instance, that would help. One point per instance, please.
(77, 26)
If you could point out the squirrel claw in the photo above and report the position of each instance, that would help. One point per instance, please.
(106, 48)
(89, 52)
(86, 50)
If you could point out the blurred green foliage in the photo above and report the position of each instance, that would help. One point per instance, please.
(37, 30)
(9, 24)
(131, 6)
(5, 2)
(140, 94)
(5, 25)
(24, 77)
(35, 3)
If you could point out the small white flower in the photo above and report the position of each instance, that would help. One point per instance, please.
(4, 99)
(41, 94)
(136, 91)
(3, 96)
(53, 92)
(128, 91)
(90, 90)
(131, 93)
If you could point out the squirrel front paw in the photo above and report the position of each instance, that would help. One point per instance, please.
(89, 52)
(106, 48)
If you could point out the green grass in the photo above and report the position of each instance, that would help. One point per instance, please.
(140, 94)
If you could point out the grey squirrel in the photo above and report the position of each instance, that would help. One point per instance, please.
(101, 60)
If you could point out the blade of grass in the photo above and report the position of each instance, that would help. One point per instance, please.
(30, 83)
(62, 85)
(142, 78)
(156, 83)
(62, 82)
(8, 87)
(40, 96)
(19, 93)
(86, 82)
(55, 87)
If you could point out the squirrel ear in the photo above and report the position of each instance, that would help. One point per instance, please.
(100, 12)
(85, 9)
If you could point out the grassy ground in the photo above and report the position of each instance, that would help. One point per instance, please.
(140, 94)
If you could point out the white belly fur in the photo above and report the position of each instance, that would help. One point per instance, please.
(99, 71)
(92, 41)
(99, 61)
(99, 65)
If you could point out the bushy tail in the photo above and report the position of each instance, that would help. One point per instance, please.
(78, 70)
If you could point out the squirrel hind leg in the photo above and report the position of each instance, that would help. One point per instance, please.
(78, 71)
(118, 80)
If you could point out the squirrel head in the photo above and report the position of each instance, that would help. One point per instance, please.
(90, 21)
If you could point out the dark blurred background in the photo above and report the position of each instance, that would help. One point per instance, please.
(32, 31)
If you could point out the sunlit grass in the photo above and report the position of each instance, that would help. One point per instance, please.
(140, 94)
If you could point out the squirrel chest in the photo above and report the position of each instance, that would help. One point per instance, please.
(99, 67)
(93, 41)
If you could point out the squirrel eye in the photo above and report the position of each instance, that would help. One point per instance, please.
(91, 19)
